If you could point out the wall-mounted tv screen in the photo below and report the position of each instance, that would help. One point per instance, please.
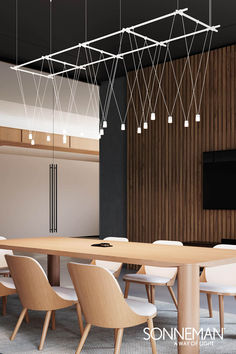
(219, 179)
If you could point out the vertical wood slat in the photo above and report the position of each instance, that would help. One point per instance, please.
(164, 181)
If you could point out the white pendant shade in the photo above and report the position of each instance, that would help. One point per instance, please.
(145, 125)
(139, 130)
(48, 138)
(197, 117)
(170, 119)
(104, 124)
(30, 136)
(32, 142)
(123, 126)
(101, 131)
(64, 139)
(186, 124)
(153, 116)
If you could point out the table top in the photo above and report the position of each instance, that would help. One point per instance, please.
(126, 252)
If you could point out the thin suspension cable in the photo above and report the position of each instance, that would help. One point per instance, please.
(182, 75)
(85, 20)
(198, 72)
(16, 32)
(210, 12)
(204, 76)
(176, 82)
(189, 63)
(162, 73)
(137, 67)
(130, 95)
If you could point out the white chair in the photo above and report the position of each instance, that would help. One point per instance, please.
(7, 287)
(114, 267)
(154, 276)
(221, 281)
(36, 293)
(3, 264)
(103, 303)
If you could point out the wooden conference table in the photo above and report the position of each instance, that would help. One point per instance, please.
(187, 259)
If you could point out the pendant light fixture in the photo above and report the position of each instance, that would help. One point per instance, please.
(145, 125)
(123, 126)
(153, 116)
(197, 118)
(170, 119)
(186, 124)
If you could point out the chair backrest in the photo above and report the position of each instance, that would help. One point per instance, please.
(112, 266)
(162, 271)
(101, 298)
(32, 285)
(224, 274)
(3, 263)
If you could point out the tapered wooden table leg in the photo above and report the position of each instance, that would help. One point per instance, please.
(188, 309)
(54, 270)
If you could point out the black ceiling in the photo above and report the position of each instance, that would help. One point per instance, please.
(68, 25)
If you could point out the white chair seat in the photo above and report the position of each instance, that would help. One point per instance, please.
(142, 308)
(217, 288)
(8, 283)
(4, 271)
(147, 278)
(65, 293)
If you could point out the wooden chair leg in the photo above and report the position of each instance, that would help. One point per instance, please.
(20, 319)
(118, 340)
(172, 294)
(148, 293)
(27, 317)
(4, 305)
(209, 301)
(80, 319)
(115, 336)
(221, 312)
(152, 292)
(83, 338)
(152, 340)
(45, 329)
(53, 320)
(127, 284)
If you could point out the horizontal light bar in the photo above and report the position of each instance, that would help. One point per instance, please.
(101, 51)
(62, 62)
(199, 22)
(30, 72)
(176, 12)
(143, 37)
(190, 34)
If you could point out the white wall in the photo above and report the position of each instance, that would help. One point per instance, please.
(79, 117)
(24, 200)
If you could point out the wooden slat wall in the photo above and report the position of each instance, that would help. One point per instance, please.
(165, 162)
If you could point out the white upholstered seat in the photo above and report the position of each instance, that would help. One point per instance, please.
(221, 281)
(142, 308)
(8, 283)
(3, 264)
(218, 289)
(65, 293)
(152, 276)
(147, 278)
